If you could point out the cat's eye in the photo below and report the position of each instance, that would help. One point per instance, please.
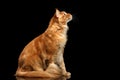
(64, 13)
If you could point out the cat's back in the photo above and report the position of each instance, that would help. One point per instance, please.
(33, 47)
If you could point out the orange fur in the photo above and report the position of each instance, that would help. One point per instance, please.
(43, 56)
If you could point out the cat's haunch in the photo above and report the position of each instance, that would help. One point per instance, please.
(43, 56)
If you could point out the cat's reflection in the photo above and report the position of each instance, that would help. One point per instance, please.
(24, 78)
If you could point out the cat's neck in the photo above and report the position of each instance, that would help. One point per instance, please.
(57, 28)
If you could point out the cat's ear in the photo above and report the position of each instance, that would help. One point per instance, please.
(57, 13)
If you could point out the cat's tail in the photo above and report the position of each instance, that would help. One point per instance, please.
(37, 74)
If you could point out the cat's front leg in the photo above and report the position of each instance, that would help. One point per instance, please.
(61, 64)
(65, 73)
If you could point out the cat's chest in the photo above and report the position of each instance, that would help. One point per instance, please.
(56, 42)
(61, 39)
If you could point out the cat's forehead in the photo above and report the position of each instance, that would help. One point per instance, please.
(63, 12)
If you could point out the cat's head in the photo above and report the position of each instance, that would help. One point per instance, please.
(63, 17)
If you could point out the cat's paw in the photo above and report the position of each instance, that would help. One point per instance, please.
(67, 75)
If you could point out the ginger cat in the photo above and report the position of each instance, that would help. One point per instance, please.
(43, 56)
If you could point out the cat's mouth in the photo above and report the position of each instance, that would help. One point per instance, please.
(69, 18)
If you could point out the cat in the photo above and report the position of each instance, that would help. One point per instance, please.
(43, 56)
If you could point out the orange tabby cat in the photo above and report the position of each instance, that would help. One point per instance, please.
(43, 56)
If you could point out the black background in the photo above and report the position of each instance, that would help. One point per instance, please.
(23, 21)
